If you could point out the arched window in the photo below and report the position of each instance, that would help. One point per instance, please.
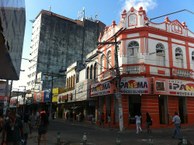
(192, 55)
(87, 73)
(108, 60)
(95, 70)
(160, 54)
(133, 48)
(67, 83)
(102, 63)
(179, 57)
(73, 81)
(91, 72)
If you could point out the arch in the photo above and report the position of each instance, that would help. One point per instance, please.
(160, 49)
(179, 57)
(87, 72)
(192, 55)
(91, 72)
(178, 53)
(108, 65)
(133, 48)
(102, 63)
(95, 70)
(160, 54)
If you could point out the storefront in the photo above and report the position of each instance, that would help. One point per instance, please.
(160, 97)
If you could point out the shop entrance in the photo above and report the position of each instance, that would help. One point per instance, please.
(134, 107)
(182, 109)
(163, 109)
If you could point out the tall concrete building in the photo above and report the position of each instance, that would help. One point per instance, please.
(57, 42)
(12, 26)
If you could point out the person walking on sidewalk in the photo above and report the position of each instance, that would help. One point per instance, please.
(148, 122)
(138, 123)
(177, 123)
(26, 127)
(43, 126)
(12, 130)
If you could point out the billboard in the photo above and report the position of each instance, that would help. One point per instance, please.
(129, 85)
(101, 88)
(173, 87)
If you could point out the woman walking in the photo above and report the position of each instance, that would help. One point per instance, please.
(148, 122)
(138, 123)
(42, 127)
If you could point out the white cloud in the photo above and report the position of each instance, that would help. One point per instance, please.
(146, 4)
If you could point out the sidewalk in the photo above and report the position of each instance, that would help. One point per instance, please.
(72, 133)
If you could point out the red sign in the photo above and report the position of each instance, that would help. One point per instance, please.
(39, 97)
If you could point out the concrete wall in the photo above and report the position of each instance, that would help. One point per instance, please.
(64, 41)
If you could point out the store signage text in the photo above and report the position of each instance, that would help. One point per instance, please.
(100, 89)
(135, 86)
(174, 87)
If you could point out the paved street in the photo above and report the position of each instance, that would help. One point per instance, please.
(72, 133)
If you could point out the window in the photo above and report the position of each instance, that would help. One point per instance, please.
(178, 53)
(95, 70)
(179, 57)
(160, 54)
(102, 63)
(108, 59)
(87, 73)
(133, 48)
(91, 72)
(192, 55)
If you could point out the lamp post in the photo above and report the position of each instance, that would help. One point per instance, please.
(117, 93)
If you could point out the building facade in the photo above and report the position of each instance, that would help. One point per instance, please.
(57, 42)
(156, 71)
(12, 27)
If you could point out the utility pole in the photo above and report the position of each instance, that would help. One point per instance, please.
(118, 77)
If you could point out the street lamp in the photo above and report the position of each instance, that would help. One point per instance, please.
(118, 93)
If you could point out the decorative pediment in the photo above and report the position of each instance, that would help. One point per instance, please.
(134, 18)
(176, 27)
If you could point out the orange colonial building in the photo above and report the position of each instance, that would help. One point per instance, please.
(156, 63)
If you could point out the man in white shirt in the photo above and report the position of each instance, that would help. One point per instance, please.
(177, 123)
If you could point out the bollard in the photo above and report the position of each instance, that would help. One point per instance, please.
(184, 141)
(118, 141)
(58, 138)
(150, 142)
(84, 139)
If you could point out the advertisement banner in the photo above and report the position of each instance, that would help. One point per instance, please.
(102, 88)
(173, 87)
(130, 85)
(38, 97)
(47, 96)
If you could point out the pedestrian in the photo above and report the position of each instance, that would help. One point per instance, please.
(138, 123)
(42, 127)
(102, 120)
(109, 120)
(148, 122)
(26, 127)
(177, 123)
(12, 130)
(1, 122)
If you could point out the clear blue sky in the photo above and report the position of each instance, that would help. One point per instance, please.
(107, 11)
